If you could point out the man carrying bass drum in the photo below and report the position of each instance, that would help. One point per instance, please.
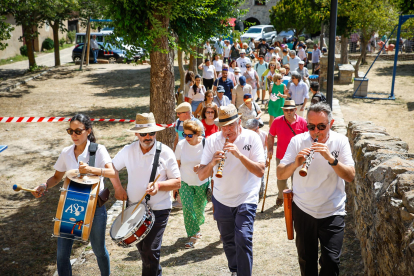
(138, 158)
(318, 207)
(236, 189)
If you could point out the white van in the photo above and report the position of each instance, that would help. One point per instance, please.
(81, 37)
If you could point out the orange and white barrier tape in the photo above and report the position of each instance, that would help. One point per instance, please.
(64, 119)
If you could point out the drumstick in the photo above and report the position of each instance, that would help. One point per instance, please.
(17, 187)
(146, 193)
(267, 181)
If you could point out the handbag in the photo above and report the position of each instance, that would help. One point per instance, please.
(261, 124)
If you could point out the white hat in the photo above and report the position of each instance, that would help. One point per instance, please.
(242, 51)
(145, 123)
(237, 70)
(227, 115)
(301, 62)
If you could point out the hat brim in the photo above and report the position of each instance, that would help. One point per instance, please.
(217, 121)
(146, 129)
(289, 107)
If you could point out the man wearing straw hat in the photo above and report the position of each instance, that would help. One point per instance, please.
(138, 159)
(235, 194)
(285, 128)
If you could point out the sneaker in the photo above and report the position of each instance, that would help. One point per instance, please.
(177, 204)
(263, 101)
(258, 99)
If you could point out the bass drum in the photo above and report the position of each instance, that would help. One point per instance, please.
(135, 227)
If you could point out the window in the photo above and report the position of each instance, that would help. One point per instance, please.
(260, 2)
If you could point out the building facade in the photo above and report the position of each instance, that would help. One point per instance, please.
(258, 11)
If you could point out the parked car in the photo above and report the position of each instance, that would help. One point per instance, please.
(288, 34)
(257, 32)
(112, 55)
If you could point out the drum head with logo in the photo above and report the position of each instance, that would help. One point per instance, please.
(87, 179)
(131, 220)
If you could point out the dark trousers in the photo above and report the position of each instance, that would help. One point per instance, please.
(236, 228)
(208, 83)
(313, 67)
(226, 60)
(329, 231)
(150, 246)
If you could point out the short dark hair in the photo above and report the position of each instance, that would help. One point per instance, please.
(314, 86)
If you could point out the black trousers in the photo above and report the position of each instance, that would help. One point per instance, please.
(208, 83)
(149, 248)
(329, 231)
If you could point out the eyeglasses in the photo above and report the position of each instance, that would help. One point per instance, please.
(209, 112)
(319, 126)
(189, 135)
(179, 113)
(77, 131)
(272, 65)
(148, 133)
(248, 66)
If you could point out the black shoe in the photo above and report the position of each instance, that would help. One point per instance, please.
(258, 99)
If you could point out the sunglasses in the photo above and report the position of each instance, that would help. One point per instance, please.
(77, 131)
(148, 133)
(319, 126)
(272, 65)
(209, 112)
(189, 135)
(179, 113)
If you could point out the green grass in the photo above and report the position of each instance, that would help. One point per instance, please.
(12, 59)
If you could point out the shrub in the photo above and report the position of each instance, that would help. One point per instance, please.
(23, 50)
(47, 44)
(71, 36)
(62, 41)
(302, 38)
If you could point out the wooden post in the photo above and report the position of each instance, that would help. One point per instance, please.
(88, 35)
(84, 47)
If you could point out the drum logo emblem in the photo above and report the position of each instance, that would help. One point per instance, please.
(75, 209)
(72, 219)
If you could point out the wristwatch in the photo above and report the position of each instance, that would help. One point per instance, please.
(335, 162)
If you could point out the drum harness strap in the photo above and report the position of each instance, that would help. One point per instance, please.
(93, 147)
(154, 165)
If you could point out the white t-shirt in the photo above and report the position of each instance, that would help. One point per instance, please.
(302, 54)
(139, 167)
(227, 50)
(67, 160)
(322, 192)
(241, 63)
(199, 96)
(208, 72)
(218, 64)
(189, 157)
(294, 63)
(237, 185)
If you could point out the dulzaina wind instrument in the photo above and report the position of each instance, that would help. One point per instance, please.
(219, 173)
(304, 171)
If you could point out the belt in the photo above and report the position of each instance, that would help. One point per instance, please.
(299, 104)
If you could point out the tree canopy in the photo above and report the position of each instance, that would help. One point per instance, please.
(5, 30)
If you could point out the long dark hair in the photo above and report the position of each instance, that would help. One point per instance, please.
(86, 121)
(189, 76)
(195, 86)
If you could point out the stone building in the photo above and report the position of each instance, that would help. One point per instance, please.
(258, 11)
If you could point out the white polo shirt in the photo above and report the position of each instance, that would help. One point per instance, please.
(238, 185)
(139, 167)
(208, 72)
(322, 192)
(67, 160)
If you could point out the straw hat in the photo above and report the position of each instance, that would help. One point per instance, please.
(289, 104)
(145, 123)
(227, 115)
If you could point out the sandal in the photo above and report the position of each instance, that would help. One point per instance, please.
(191, 244)
(279, 202)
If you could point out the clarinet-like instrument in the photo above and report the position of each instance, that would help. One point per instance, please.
(219, 173)
(304, 171)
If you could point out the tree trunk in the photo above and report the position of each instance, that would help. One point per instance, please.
(193, 63)
(162, 100)
(344, 49)
(55, 28)
(200, 56)
(30, 52)
(321, 36)
(181, 69)
(360, 59)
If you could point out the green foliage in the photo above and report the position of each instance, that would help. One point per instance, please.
(71, 36)
(47, 44)
(295, 14)
(23, 50)
(62, 41)
(302, 38)
(5, 29)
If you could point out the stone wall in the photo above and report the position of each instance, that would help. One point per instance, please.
(260, 12)
(381, 199)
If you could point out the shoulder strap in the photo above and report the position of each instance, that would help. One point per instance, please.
(93, 147)
(178, 125)
(294, 134)
(156, 159)
(254, 104)
(204, 142)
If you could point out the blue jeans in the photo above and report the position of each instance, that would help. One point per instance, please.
(95, 55)
(194, 105)
(236, 228)
(97, 237)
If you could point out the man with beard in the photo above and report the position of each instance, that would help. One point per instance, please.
(140, 159)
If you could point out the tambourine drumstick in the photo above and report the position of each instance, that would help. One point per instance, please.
(123, 207)
(146, 193)
(17, 187)
(267, 181)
